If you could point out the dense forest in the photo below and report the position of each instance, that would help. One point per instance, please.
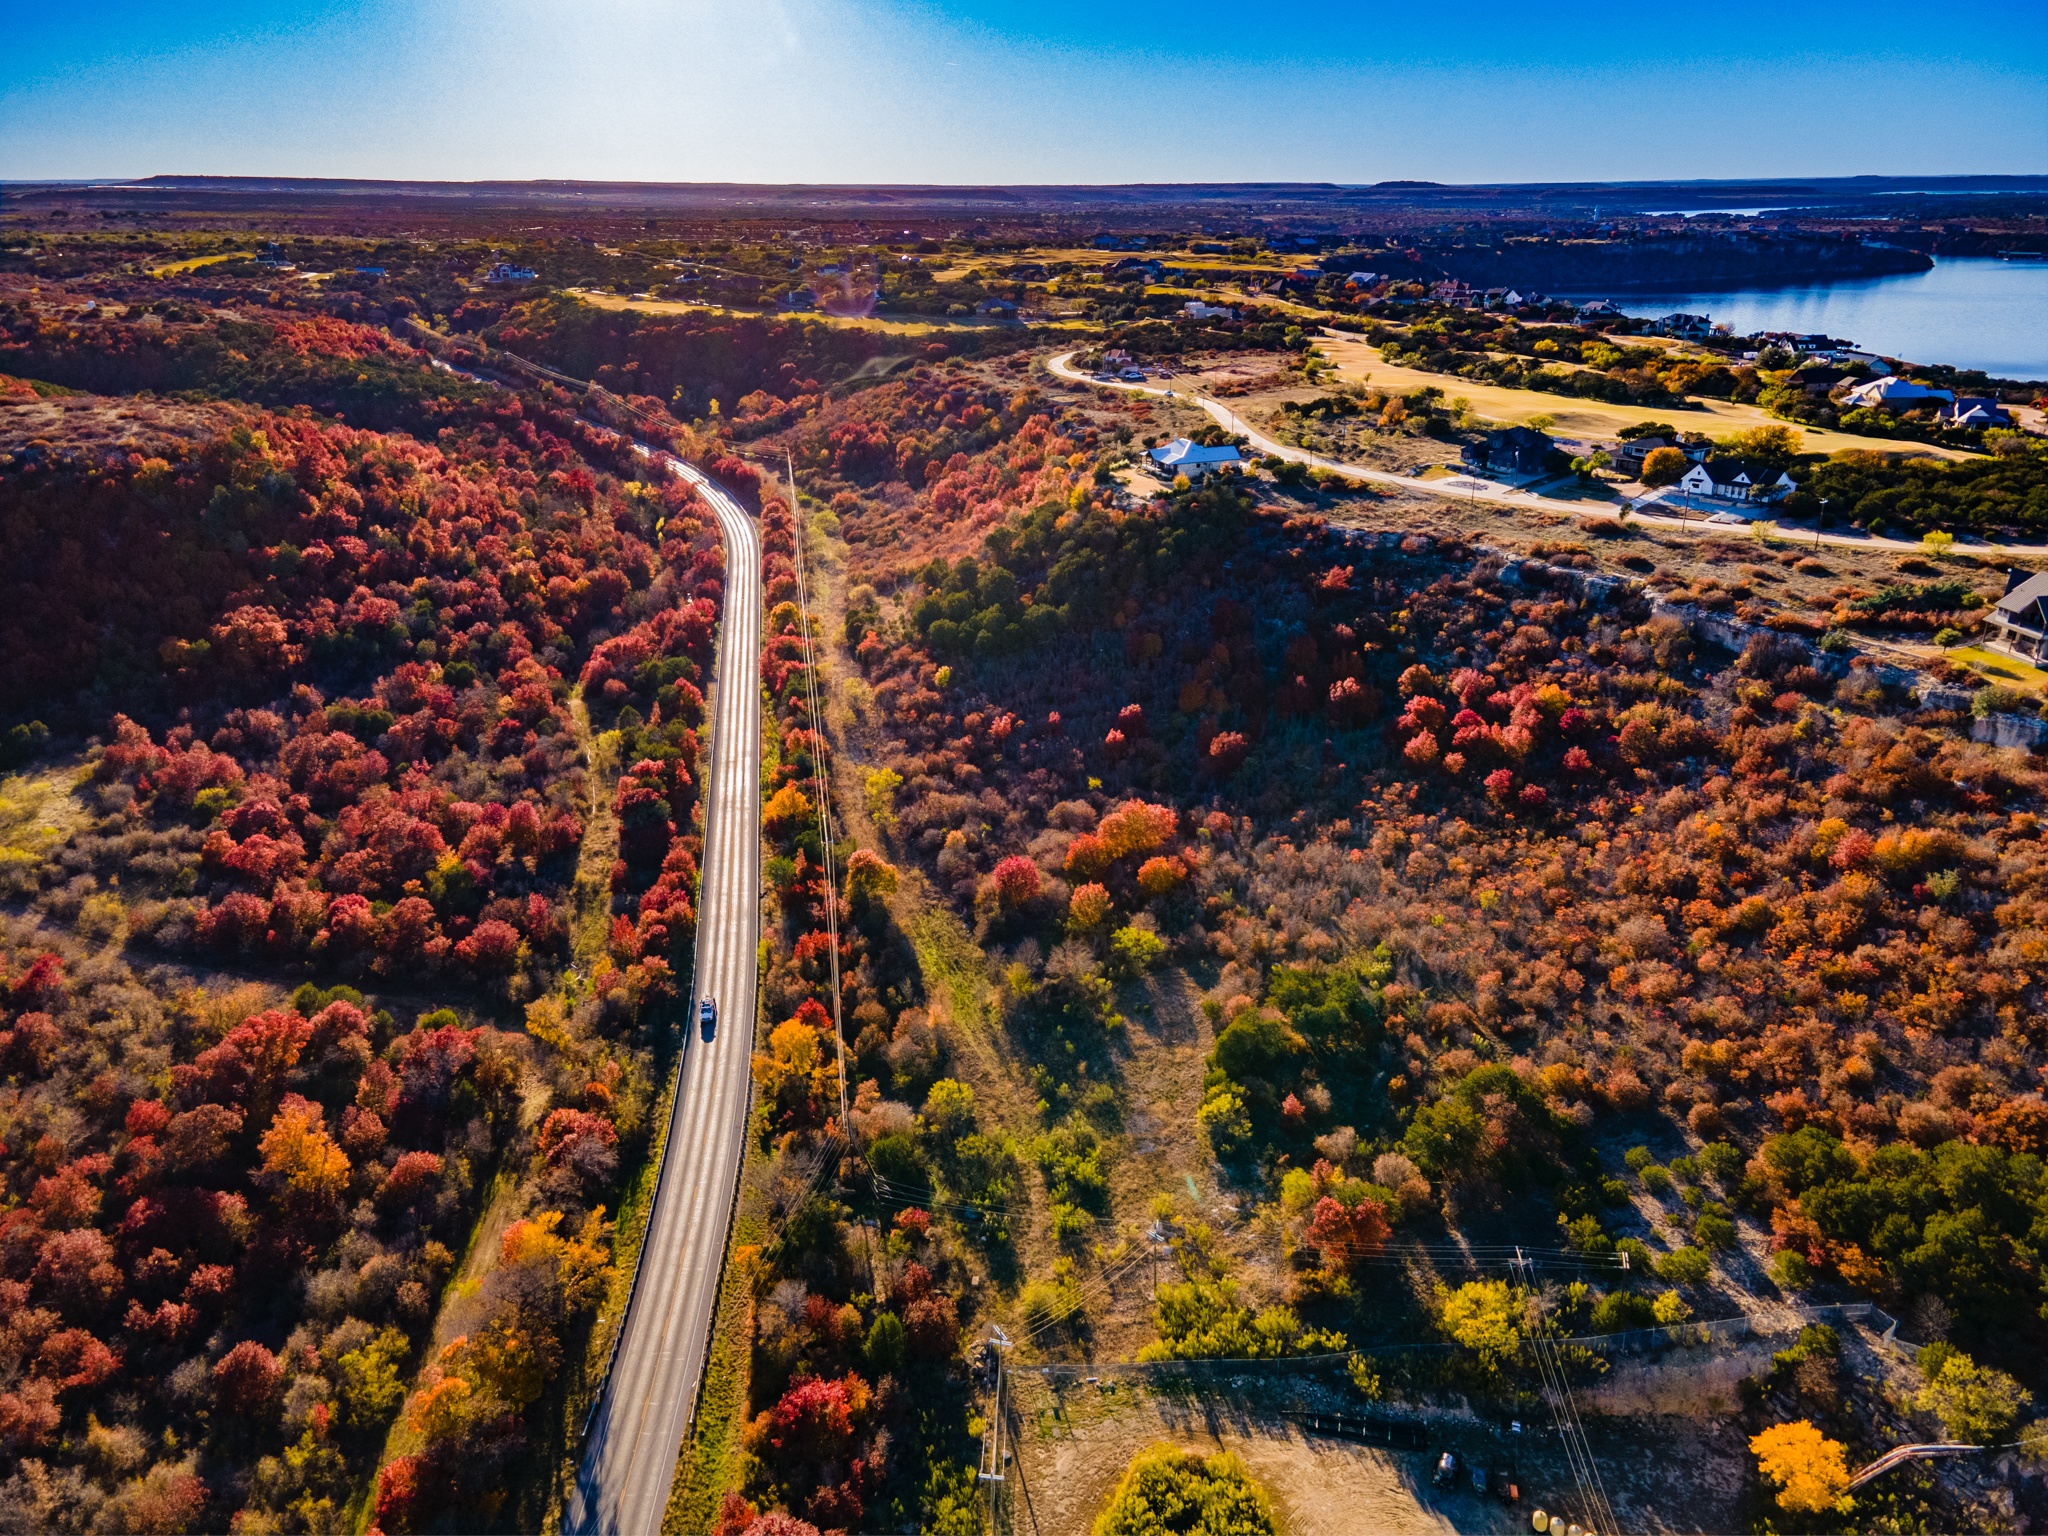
(320, 714)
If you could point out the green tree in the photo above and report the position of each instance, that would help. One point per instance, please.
(370, 1386)
(1973, 1402)
(881, 788)
(1134, 951)
(948, 1112)
(884, 1347)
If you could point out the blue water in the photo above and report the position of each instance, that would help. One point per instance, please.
(1968, 313)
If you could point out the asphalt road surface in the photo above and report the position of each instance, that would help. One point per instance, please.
(629, 1460)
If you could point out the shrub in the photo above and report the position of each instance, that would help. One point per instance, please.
(1133, 951)
(1623, 1311)
(1684, 1266)
(1168, 1489)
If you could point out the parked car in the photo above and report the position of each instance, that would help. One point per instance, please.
(1134, 375)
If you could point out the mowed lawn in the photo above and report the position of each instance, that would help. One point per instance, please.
(1575, 417)
(2001, 668)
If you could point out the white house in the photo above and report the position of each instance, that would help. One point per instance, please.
(2021, 616)
(1197, 310)
(1893, 393)
(1183, 457)
(1967, 411)
(1734, 480)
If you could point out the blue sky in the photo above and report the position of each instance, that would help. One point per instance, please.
(826, 90)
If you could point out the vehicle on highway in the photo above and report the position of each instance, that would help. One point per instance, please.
(707, 1018)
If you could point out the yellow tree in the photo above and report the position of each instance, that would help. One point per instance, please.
(786, 813)
(1486, 1317)
(1808, 1468)
(298, 1150)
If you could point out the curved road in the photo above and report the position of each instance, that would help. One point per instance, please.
(629, 1459)
(1466, 487)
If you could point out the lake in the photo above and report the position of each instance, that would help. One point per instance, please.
(1972, 313)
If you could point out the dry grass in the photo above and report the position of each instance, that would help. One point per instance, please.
(1589, 418)
(1661, 1474)
(108, 423)
(922, 325)
(39, 809)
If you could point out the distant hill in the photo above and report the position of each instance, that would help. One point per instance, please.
(1559, 199)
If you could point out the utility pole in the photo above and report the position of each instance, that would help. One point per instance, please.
(992, 1462)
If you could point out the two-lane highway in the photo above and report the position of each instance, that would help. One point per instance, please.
(622, 1487)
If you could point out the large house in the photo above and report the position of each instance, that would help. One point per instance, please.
(1000, 309)
(2021, 616)
(1631, 455)
(1685, 327)
(1185, 457)
(1734, 480)
(1971, 411)
(1197, 310)
(1599, 309)
(1892, 393)
(1511, 450)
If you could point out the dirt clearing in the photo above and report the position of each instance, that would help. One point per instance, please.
(1660, 1474)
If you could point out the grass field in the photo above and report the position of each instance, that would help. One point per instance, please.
(1590, 418)
(2001, 668)
(194, 263)
(921, 325)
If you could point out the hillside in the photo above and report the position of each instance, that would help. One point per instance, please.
(337, 956)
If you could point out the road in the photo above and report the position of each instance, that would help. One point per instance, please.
(1466, 488)
(629, 1459)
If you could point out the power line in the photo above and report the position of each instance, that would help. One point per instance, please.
(820, 765)
(1585, 1471)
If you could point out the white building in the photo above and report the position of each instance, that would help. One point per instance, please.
(1734, 480)
(1893, 393)
(1183, 457)
(1197, 310)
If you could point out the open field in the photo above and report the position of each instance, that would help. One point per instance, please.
(195, 263)
(1664, 1473)
(2001, 668)
(1575, 417)
(922, 325)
